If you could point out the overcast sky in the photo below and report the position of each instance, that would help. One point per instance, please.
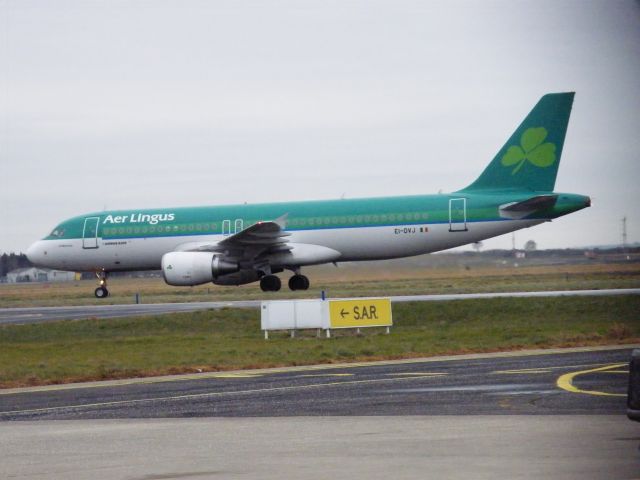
(135, 104)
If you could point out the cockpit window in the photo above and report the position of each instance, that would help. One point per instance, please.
(57, 232)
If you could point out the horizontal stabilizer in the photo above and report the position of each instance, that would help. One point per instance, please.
(518, 210)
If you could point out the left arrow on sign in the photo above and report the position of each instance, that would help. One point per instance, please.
(344, 313)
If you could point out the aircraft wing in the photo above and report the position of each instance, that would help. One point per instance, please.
(261, 238)
(518, 210)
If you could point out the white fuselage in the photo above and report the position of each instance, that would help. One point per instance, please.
(354, 244)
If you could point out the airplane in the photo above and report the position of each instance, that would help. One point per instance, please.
(240, 244)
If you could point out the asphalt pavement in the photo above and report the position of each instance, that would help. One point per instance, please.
(590, 381)
(523, 415)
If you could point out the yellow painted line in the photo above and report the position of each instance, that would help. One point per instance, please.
(565, 381)
(416, 374)
(205, 395)
(547, 369)
(236, 375)
(327, 375)
(308, 368)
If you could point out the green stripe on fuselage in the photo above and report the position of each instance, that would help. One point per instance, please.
(310, 215)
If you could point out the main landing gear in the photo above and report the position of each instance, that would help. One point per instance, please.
(299, 282)
(101, 291)
(271, 283)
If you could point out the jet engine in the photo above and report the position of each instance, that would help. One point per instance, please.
(194, 268)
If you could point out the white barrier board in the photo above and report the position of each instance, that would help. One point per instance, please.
(292, 314)
(325, 314)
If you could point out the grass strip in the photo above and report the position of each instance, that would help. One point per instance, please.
(68, 351)
(344, 282)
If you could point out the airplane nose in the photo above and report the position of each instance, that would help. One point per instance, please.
(34, 253)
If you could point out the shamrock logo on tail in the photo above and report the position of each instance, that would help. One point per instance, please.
(531, 149)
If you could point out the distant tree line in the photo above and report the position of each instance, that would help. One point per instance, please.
(12, 261)
(532, 251)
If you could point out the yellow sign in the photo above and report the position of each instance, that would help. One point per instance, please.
(362, 312)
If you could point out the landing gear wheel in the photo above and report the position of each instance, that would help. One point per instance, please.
(270, 283)
(299, 282)
(101, 292)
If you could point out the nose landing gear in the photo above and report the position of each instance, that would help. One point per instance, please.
(101, 291)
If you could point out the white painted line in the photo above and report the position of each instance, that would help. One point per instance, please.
(553, 293)
(204, 395)
(310, 368)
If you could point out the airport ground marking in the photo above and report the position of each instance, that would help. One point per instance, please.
(523, 371)
(550, 369)
(200, 395)
(565, 381)
(307, 368)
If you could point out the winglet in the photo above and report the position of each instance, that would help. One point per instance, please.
(282, 221)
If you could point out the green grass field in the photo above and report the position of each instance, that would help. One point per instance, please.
(346, 281)
(230, 339)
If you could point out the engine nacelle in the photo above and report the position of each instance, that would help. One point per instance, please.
(194, 268)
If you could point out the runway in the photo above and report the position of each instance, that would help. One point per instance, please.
(48, 314)
(527, 415)
(558, 383)
(51, 314)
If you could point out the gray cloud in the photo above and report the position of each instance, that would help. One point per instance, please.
(141, 104)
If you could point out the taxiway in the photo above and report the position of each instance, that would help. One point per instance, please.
(538, 382)
(526, 415)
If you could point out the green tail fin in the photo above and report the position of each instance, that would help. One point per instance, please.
(530, 159)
